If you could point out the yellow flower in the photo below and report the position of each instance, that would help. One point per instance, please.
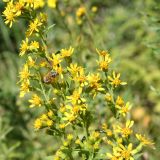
(96, 145)
(30, 3)
(80, 11)
(104, 61)
(59, 70)
(126, 131)
(37, 124)
(52, 3)
(24, 74)
(109, 132)
(78, 141)
(50, 113)
(62, 126)
(119, 101)
(69, 116)
(126, 153)
(125, 109)
(69, 137)
(56, 60)
(94, 82)
(67, 52)
(103, 65)
(75, 97)
(24, 88)
(24, 47)
(33, 27)
(115, 155)
(49, 123)
(108, 97)
(44, 117)
(102, 53)
(80, 77)
(30, 62)
(73, 69)
(43, 63)
(34, 45)
(62, 109)
(19, 6)
(9, 14)
(38, 4)
(35, 101)
(115, 80)
(42, 17)
(106, 130)
(95, 135)
(144, 141)
(94, 9)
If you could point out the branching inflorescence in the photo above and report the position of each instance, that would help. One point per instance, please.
(65, 90)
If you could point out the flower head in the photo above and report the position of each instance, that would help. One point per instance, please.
(37, 124)
(67, 52)
(125, 131)
(34, 26)
(10, 13)
(35, 101)
(115, 80)
(52, 3)
(144, 140)
(24, 73)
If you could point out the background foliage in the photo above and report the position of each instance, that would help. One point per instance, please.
(130, 30)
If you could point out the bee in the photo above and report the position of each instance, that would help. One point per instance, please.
(50, 77)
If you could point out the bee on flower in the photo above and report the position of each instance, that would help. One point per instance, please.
(71, 85)
(50, 77)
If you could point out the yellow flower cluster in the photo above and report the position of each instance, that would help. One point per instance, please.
(45, 120)
(73, 96)
(16, 9)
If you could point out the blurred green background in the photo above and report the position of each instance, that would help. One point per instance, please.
(129, 29)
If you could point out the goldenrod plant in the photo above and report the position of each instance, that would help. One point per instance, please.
(65, 92)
